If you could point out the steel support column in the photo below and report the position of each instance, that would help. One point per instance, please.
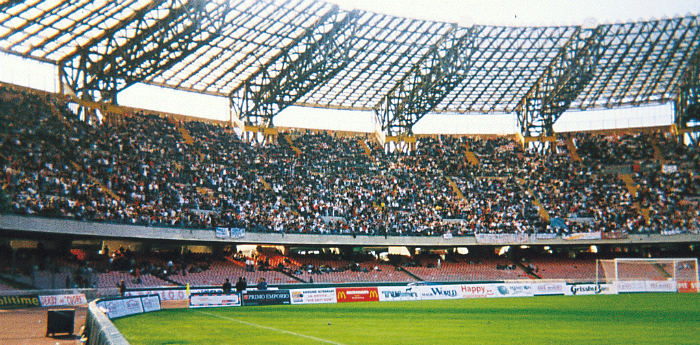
(687, 106)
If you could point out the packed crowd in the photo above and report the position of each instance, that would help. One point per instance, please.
(141, 170)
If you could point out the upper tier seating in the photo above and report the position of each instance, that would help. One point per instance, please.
(142, 170)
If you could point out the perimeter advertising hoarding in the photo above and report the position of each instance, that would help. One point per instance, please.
(204, 300)
(477, 291)
(513, 290)
(150, 303)
(590, 289)
(115, 308)
(119, 307)
(62, 300)
(266, 297)
(360, 294)
(398, 293)
(631, 286)
(165, 295)
(687, 286)
(440, 291)
(22, 301)
(313, 296)
(661, 286)
(540, 289)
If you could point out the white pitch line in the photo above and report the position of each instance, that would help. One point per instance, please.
(271, 328)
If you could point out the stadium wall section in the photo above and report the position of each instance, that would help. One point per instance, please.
(108, 230)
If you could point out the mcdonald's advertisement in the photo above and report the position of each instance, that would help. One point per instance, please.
(360, 294)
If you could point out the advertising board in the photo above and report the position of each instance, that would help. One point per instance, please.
(361, 294)
(590, 289)
(115, 308)
(165, 295)
(583, 236)
(62, 300)
(150, 303)
(439, 291)
(313, 296)
(398, 293)
(203, 300)
(513, 290)
(22, 301)
(266, 297)
(631, 286)
(541, 289)
(687, 286)
(661, 286)
(477, 291)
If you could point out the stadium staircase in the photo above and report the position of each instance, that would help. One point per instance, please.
(471, 157)
(289, 141)
(97, 182)
(573, 151)
(407, 272)
(540, 209)
(632, 188)
(663, 271)
(455, 188)
(629, 183)
(658, 154)
(183, 131)
(57, 113)
(368, 151)
(264, 183)
(525, 269)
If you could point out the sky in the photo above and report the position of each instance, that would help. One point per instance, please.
(462, 12)
(526, 12)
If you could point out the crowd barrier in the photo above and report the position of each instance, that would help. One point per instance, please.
(99, 330)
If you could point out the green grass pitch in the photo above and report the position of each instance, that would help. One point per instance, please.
(610, 319)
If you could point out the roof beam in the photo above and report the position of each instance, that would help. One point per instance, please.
(687, 105)
(151, 45)
(310, 60)
(565, 77)
(109, 33)
(426, 85)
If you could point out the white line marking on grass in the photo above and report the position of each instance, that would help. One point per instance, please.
(271, 328)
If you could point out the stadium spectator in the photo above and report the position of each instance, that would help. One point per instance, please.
(122, 288)
(241, 284)
(226, 287)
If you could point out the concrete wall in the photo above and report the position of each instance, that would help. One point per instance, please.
(80, 229)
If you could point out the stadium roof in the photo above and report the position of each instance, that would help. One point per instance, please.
(268, 54)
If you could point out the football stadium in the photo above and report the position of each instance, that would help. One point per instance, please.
(309, 172)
